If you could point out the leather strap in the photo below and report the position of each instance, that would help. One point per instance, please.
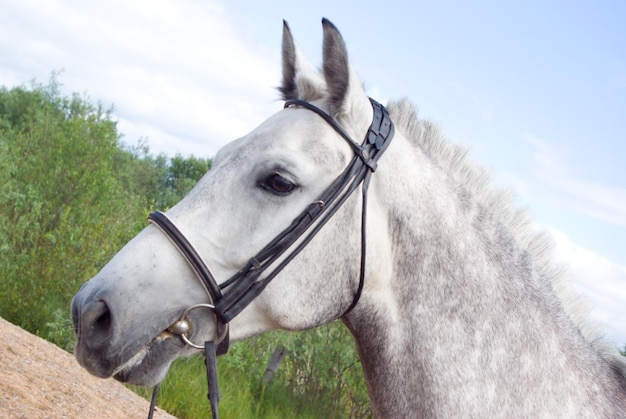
(195, 261)
(210, 360)
(246, 285)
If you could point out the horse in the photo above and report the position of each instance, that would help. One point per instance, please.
(453, 298)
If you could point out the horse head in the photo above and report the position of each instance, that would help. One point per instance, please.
(257, 186)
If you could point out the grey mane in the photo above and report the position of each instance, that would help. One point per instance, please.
(474, 187)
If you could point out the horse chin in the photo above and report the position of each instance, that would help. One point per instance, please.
(149, 366)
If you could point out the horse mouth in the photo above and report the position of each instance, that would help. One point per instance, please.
(150, 364)
(138, 358)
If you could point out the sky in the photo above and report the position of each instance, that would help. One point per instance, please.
(536, 90)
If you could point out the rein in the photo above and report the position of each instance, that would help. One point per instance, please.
(228, 299)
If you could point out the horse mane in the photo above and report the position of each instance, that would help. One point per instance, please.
(473, 182)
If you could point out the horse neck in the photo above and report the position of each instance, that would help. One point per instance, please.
(466, 323)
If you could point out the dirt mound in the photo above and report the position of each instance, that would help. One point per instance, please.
(40, 380)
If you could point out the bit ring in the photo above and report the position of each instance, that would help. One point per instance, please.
(182, 326)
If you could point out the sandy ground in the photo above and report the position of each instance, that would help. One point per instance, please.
(40, 380)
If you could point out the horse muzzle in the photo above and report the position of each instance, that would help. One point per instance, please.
(142, 357)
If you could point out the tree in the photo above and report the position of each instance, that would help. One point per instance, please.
(159, 181)
(140, 173)
(181, 176)
(63, 212)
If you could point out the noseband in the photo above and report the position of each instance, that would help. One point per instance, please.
(228, 299)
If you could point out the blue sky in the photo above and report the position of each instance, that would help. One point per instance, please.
(536, 89)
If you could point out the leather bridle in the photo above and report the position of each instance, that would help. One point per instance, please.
(228, 299)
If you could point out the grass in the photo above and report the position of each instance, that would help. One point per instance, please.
(184, 394)
(312, 382)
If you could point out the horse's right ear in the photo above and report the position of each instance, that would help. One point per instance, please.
(288, 88)
(300, 79)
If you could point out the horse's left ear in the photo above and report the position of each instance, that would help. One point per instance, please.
(346, 97)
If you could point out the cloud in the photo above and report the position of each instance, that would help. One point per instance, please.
(606, 203)
(180, 73)
(601, 282)
(549, 158)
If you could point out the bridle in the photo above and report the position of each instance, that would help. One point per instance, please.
(228, 299)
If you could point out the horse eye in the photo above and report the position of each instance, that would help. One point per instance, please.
(279, 185)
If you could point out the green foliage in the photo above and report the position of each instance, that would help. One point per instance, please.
(61, 330)
(181, 176)
(139, 173)
(59, 200)
(159, 181)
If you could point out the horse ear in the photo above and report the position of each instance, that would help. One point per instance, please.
(345, 93)
(300, 79)
(288, 87)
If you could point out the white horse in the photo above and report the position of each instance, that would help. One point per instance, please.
(462, 312)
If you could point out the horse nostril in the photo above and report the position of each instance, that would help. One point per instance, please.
(103, 321)
(96, 321)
